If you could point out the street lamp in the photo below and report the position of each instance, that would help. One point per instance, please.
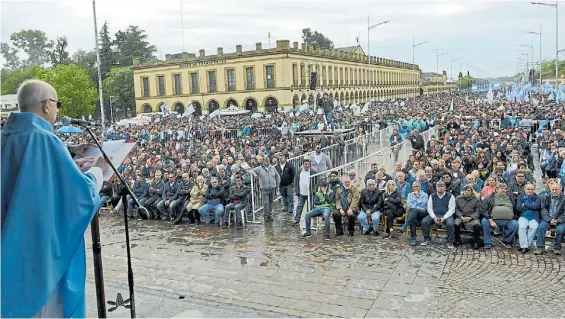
(414, 45)
(554, 5)
(538, 33)
(369, 28)
(451, 75)
(532, 58)
(112, 100)
(437, 67)
(98, 67)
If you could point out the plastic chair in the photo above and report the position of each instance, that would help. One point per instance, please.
(243, 215)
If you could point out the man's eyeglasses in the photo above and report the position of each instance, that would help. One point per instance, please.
(55, 101)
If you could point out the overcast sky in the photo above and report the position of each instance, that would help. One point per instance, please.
(484, 33)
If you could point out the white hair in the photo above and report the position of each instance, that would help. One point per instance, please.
(32, 92)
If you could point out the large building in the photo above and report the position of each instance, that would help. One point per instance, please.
(433, 83)
(264, 79)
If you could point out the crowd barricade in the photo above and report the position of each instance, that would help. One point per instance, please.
(386, 157)
(341, 153)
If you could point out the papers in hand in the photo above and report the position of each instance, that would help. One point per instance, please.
(117, 151)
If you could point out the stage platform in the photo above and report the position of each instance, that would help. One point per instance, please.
(338, 131)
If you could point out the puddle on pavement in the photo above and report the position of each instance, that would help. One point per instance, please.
(242, 260)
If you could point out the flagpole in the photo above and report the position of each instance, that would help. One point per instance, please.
(98, 66)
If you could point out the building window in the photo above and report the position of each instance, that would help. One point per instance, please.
(212, 81)
(194, 83)
(145, 82)
(178, 86)
(330, 78)
(340, 76)
(161, 85)
(270, 76)
(249, 78)
(230, 75)
(294, 75)
(304, 78)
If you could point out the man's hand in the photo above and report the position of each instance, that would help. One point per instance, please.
(553, 222)
(342, 212)
(436, 220)
(368, 213)
(80, 149)
(349, 212)
(101, 163)
(84, 163)
(492, 223)
(466, 219)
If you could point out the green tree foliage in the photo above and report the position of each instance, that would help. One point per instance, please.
(133, 43)
(107, 54)
(11, 79)
(10, 57)
(466, 82)
(119, 84)
(548, 69)
(460, 75)
(35, 44)
(59, 54)
(316, 38)
(74, 89)
(87, 61)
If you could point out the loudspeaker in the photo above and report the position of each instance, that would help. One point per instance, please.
(313, 80)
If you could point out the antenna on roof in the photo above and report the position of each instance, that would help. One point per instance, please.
(269, 35)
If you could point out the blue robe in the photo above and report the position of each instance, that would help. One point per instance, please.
(47, 204)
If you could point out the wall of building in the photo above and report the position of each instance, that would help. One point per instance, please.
(292, 67)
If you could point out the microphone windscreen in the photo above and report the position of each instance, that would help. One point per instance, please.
(66, 120)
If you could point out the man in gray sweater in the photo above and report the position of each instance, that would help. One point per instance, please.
(269, 180)
(320, 162)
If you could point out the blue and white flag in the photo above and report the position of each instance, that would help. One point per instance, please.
(165, 108)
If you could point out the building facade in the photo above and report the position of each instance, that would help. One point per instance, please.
(264, 79)
(8, 104)
(433, 83)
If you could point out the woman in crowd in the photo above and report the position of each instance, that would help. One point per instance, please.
(417, 210)
(197, 199)
(489, 188)
(529, 206)
(392, 206)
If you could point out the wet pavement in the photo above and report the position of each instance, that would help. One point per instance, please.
(267, 271)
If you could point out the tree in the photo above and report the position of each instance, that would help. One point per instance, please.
(316, 38)
(11, 79)
(119, 84)
(107, 55)
(548, 69)
(465, 82)
(74, 89)
(35, 43)
(444, 73)
(468, 74)
(87, 61)
(10, 54)
(59, 54)
(133, 43)
(460, 75)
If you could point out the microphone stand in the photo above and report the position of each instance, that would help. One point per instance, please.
(96, 246)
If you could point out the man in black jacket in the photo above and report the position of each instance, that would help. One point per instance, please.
(371, 204)
(417, 141)
(552, 215)
(170, 189)
(238, 197)
(183, 192)
(287, 173)
(141, 191)
(155, 192)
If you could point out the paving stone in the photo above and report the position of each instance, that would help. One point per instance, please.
(341, 311)
(329, 297)
(301, 304)
(265, 299)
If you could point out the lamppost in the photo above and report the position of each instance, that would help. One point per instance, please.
(369, 28)
(526, 55)
(98, 66)
(437, 68)
(532, 60)
(414, 45)
(451, 75)
(538, 33)
(554, 5)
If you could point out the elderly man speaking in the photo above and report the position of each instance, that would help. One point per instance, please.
(47, 203)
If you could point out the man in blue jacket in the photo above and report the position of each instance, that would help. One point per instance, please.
(552, 215)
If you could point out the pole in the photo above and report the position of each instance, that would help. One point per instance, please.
(556, 44)
(451, 75)
(98, 67)
(437, 69)
(368, 51)
(540, 57)
(98, 272)
(111, 113)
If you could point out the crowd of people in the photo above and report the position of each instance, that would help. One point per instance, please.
(476, 174)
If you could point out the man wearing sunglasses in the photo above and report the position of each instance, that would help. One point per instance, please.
(47, 205)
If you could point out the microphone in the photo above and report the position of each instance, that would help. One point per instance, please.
(67, 121)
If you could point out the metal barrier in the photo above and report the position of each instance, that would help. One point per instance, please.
(352, 150)
(386, 157)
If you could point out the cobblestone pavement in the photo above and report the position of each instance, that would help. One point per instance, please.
(266, 271)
